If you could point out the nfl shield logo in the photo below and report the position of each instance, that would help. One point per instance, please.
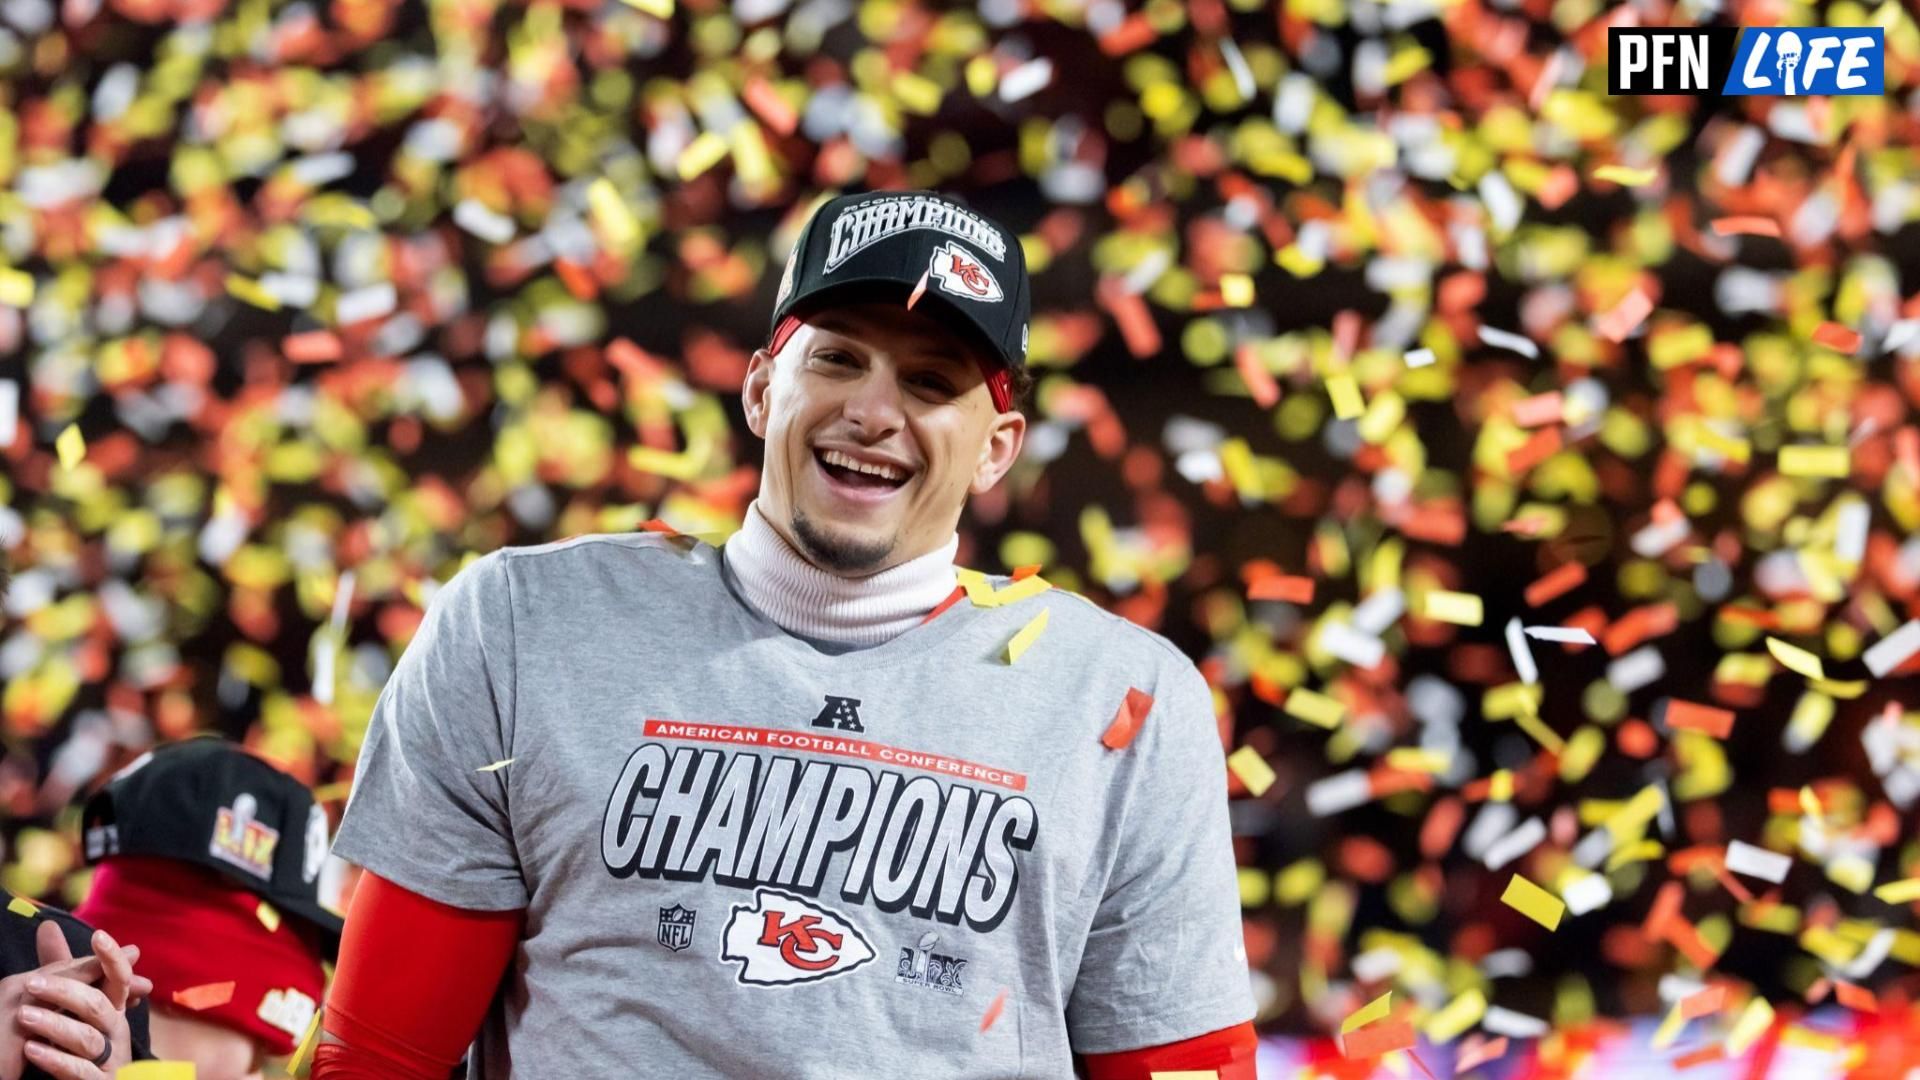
(676, 927)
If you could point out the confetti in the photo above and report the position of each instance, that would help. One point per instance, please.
(1534, 902)
(269, 916)
(1823, 461)
(1899, 892)
(71, 447)
(1461, 609)
(1377, 1039)
(1502, 339)
(160, 1070)
(204, 996)
(1027, 635)
(1624, 176)
(1252, 770)
(1744, 858)
(1569, 635)
(994, 1008)
(1796, 659)
(1292, 590)
(1377, 1009)
(1127, 720)
(495, 767)
(1315, 708)
(22, 907)
(1687, 716)
(1893, 650)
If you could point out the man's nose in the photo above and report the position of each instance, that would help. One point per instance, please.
(875, 404)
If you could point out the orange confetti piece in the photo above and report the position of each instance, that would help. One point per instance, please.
(655, 525)
(1135, 32)
(959, 593)
(1700, 1057)
(1687, 716)
(994, 1007)
(1126, 722)
(1854, 997)
(1835, 336)
(1556, 583)
(1623, 318)
(312, 347)
(1292, 589)
(1478, 1052)
(919, 289)
(204, 996)
(769, 106)
(1376, 1039)
(1703, 1002)
(1745, 225)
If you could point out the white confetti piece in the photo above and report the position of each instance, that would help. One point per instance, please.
(1360, 650)
(1522, 656)
(1338, 793)
(1641, 667)
(1494, 821)
(495, 767)
(1590, 893)
(1881, 657)
(1512, 1024)
(1026, 80)
(1504, 339)
(371, 302)
(1379, 610)
(1502, 202)
(1419, 358)
(1744, 858)
(1516, 843)
(1568, 634)
(9, 411)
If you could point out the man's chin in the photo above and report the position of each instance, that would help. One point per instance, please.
(841, 550)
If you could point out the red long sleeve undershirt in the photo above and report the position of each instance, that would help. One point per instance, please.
(414, 1019)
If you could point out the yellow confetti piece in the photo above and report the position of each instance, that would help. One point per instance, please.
(1796, 659)
(245, 288)
(703, 153)
(1461, 609)
(1028, 634)
(306, 1045)
(980, 593)
(1252, 769)
(1540, 732)
(659, 9)
(607, 210)
(1315, 708)
(495, 767)
(159, 1070)
(16, 288)
(1639, 851)
(1347, 402)
(1899, 892)
(1298, 881)
(1255, 887)
(1236, 290)
(268, 916)
(71, 446)
(1829, 461)
(681, 466)
(1185, 1074)
(1624, 176)
(1751, 1025)
(327, 793)
(1534, 902)
(1459, 1014)
(1500, 786)
(22, 907)
(917, 93)
(1669, 1028)
(1795, 1035)
(1368, 1013)
(1809, 802)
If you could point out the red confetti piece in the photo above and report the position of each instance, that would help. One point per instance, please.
(1478, 1051)
(769, 106)
(1126, 722)
(655, 525)
(998, 1003)
(1835, 336)
(1745, 225)
(1700, 1057)
(204, 996)
(1703, 1002)
(1688, 716)
(1135, 32)
(1260, 381)
(920, 289)
(1623, 318)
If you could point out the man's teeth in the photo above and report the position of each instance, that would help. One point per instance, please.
(885, 472)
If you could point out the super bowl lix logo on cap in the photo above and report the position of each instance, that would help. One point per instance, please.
(240, 840)
(959, 273)
(857, 227)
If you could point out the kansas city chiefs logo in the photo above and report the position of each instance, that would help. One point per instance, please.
(963, 275)
(781, 939)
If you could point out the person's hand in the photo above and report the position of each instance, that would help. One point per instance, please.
(56, 1019)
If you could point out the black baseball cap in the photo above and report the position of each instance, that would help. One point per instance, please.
(208, 802)
(887, 245)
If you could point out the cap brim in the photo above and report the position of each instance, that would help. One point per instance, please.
(891, 290)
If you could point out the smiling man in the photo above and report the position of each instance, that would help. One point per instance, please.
(814, 803)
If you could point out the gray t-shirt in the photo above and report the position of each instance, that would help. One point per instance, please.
(743, 856)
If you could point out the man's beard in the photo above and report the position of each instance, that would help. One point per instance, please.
(837, 555)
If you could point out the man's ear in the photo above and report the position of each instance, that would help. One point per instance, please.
(1008, 434)
(754, 388)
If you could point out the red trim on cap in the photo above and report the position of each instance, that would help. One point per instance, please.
(195, 929)
(999, 377)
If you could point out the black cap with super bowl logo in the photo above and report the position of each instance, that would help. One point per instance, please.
(886, 244)
(208, 802)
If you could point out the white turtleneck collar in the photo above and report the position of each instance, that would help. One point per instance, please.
(803, 599)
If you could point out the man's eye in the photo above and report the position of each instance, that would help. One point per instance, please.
(833, 357)
(936, 384)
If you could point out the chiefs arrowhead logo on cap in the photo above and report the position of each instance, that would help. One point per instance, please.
(959, 273)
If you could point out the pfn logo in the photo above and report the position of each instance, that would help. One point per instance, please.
(1785, 61)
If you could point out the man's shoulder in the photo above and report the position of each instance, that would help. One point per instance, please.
(1113, 638)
